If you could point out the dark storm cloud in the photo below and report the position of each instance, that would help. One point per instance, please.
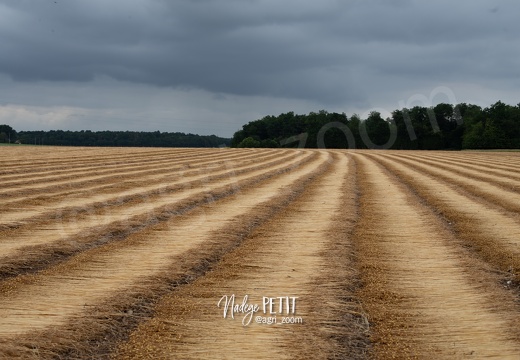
(350, 53)
(291, 48)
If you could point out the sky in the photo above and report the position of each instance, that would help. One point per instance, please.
(209, 67)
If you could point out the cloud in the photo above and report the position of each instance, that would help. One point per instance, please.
(333, 54)
(45, 117)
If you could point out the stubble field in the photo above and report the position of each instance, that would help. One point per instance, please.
(125, 253)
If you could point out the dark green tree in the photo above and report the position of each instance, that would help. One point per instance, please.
(249, 142)
(7, 134)
(376, 132)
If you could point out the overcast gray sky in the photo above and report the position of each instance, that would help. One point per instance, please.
(208, 67)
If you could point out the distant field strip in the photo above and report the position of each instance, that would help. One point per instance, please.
(121, 189)
(123, 253)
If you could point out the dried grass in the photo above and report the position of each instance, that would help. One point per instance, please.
(499, 192)
(465, 165)
(339, 319)
(491, 233)
(187, 267)
(40, 245)
(117, 184)
(288, 255)
(422, 300)
(426, 244)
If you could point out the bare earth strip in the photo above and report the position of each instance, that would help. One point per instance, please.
(282, 258)
(422, 301)
(54, 296)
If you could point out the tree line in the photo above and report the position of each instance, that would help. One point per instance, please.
(443, 127)
(111, 138)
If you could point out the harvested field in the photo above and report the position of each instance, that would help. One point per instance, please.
(119, 253)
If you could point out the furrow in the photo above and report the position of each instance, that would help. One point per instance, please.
(499, 160)
(104, 165)
(82, 179)
(99, 168)
(498, 193)
(109, 195)
(33, 248)
(41, 206)
(423, 302)
(59, 295)
(506, 179)
(493, 234)
(287, 256)
(48, 157)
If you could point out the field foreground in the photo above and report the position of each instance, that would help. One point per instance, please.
(326, 254)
